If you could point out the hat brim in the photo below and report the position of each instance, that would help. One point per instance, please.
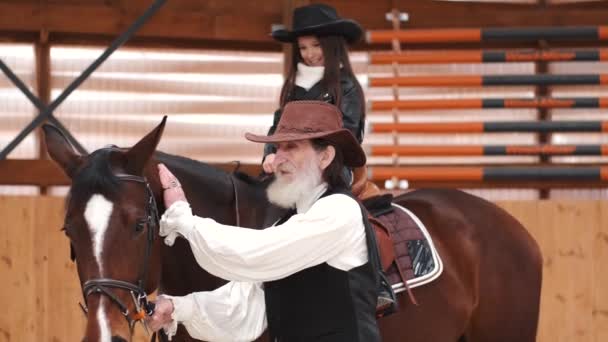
(349, 29)
(354, 155)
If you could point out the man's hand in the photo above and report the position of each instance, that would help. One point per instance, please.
(172, 190)
(162, 314)
(267, 165)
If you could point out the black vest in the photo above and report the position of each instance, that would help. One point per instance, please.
(323, 303)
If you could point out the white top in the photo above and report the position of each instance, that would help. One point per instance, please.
(308, 76)
(324, 230)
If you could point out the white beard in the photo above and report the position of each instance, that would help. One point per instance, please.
(286, 194)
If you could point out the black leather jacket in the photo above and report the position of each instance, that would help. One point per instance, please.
(351, 107)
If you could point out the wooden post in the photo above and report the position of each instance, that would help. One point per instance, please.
(288, 7)
(43, 88)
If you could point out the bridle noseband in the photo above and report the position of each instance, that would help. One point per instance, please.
(104, 286)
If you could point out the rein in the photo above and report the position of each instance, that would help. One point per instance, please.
(105, 286)
(236, 201)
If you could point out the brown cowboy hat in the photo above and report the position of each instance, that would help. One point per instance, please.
(320, 20)
(303, 120)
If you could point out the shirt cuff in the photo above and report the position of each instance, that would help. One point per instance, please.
(176, 220)
(183, 309)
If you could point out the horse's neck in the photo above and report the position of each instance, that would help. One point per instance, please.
(254, 209)
(208, 194)
(213, 193)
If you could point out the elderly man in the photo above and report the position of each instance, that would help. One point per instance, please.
(313, 275)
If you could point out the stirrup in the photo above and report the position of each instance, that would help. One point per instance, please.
(387, 300)
(384, 301)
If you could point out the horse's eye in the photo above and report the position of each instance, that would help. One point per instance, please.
(140, 225)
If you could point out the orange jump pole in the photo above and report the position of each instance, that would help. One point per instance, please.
(464, 56)
(460, 35)
(541, 102)
(490, 127)
(487, 150)
(506, 173)
(492, 80)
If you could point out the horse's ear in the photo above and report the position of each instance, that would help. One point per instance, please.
(140, 153)
(60, 150)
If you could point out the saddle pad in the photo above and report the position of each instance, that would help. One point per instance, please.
(414, 252)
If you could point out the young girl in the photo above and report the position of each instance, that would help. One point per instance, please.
(320, 69)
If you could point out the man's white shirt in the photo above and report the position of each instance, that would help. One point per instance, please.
(324, 230)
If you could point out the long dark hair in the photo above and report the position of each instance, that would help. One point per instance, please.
(333, 173)
(335, 53)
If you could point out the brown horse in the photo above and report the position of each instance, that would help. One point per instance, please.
(489, 289)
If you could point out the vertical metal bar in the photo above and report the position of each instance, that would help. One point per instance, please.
(123, 38)
(396, 45)
(543, 114)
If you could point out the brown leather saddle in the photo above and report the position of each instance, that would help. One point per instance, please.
(395, 229)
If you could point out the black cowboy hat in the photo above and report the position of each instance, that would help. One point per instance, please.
(303, 120)
(319, 20)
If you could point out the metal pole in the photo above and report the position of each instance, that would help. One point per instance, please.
(123, 38)
(36, 102)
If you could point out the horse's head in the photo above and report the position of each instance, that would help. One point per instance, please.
(112, 223)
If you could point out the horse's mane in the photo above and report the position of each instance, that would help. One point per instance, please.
(194, 166)
(191, 165)
(95, 177)
(261, 182)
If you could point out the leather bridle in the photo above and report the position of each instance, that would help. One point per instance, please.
(106, 286)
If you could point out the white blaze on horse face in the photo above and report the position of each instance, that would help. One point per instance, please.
(105, 335)
(97, 215)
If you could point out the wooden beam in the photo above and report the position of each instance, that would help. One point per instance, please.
(47, 173)
(232, 24)
(451, 14)
(213, 19)
(288, 7)
(31, 172)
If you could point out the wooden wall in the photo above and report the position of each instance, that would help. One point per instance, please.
(205, 23)
(40, 288)
(573, 236)
(39, 281)
(39, 284)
